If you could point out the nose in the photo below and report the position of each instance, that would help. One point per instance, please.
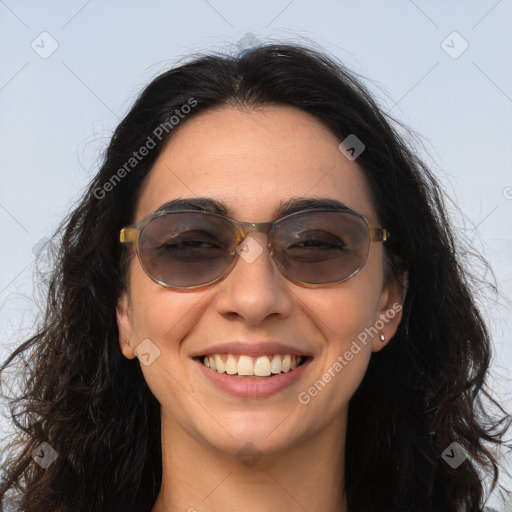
(255, 288)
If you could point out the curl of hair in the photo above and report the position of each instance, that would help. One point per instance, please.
(420, 393)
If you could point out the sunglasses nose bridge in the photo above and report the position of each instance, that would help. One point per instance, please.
(246, 228)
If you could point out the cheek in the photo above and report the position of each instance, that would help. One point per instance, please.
(342, 314)
(159, 314)
(166, 318)
(156, 316)
(354, 307)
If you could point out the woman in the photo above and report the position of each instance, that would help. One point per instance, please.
(258, 306)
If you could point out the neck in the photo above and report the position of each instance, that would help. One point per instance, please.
(200, 478)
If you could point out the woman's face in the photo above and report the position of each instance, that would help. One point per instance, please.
(253, 161)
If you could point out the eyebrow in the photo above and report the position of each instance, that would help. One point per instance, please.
(295, 204)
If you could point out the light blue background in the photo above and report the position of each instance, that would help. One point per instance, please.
(58, 113)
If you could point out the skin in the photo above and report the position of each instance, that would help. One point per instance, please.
(254, 159)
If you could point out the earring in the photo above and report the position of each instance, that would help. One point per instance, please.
(382, 337)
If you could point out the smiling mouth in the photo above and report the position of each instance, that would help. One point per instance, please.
(247, 367)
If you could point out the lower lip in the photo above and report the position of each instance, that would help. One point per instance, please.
(254, 388)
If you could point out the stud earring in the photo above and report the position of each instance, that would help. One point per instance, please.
(382, 337)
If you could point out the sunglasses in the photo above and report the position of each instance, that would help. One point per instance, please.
(189, 249)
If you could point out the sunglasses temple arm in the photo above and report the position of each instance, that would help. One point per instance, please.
(380, 234)
(128, 235)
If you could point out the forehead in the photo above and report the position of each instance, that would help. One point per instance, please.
(254, 160)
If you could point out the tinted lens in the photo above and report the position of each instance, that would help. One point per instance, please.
(187, 249)
(322, 247)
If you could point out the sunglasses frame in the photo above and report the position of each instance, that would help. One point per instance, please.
(133, 232)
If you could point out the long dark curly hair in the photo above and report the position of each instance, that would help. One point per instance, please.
(422, 392)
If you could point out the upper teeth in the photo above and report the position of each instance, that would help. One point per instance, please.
(261, 366)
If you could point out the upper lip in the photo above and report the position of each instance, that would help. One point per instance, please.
(251, 349)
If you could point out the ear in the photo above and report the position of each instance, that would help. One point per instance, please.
(124, 326)
(389, 312)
